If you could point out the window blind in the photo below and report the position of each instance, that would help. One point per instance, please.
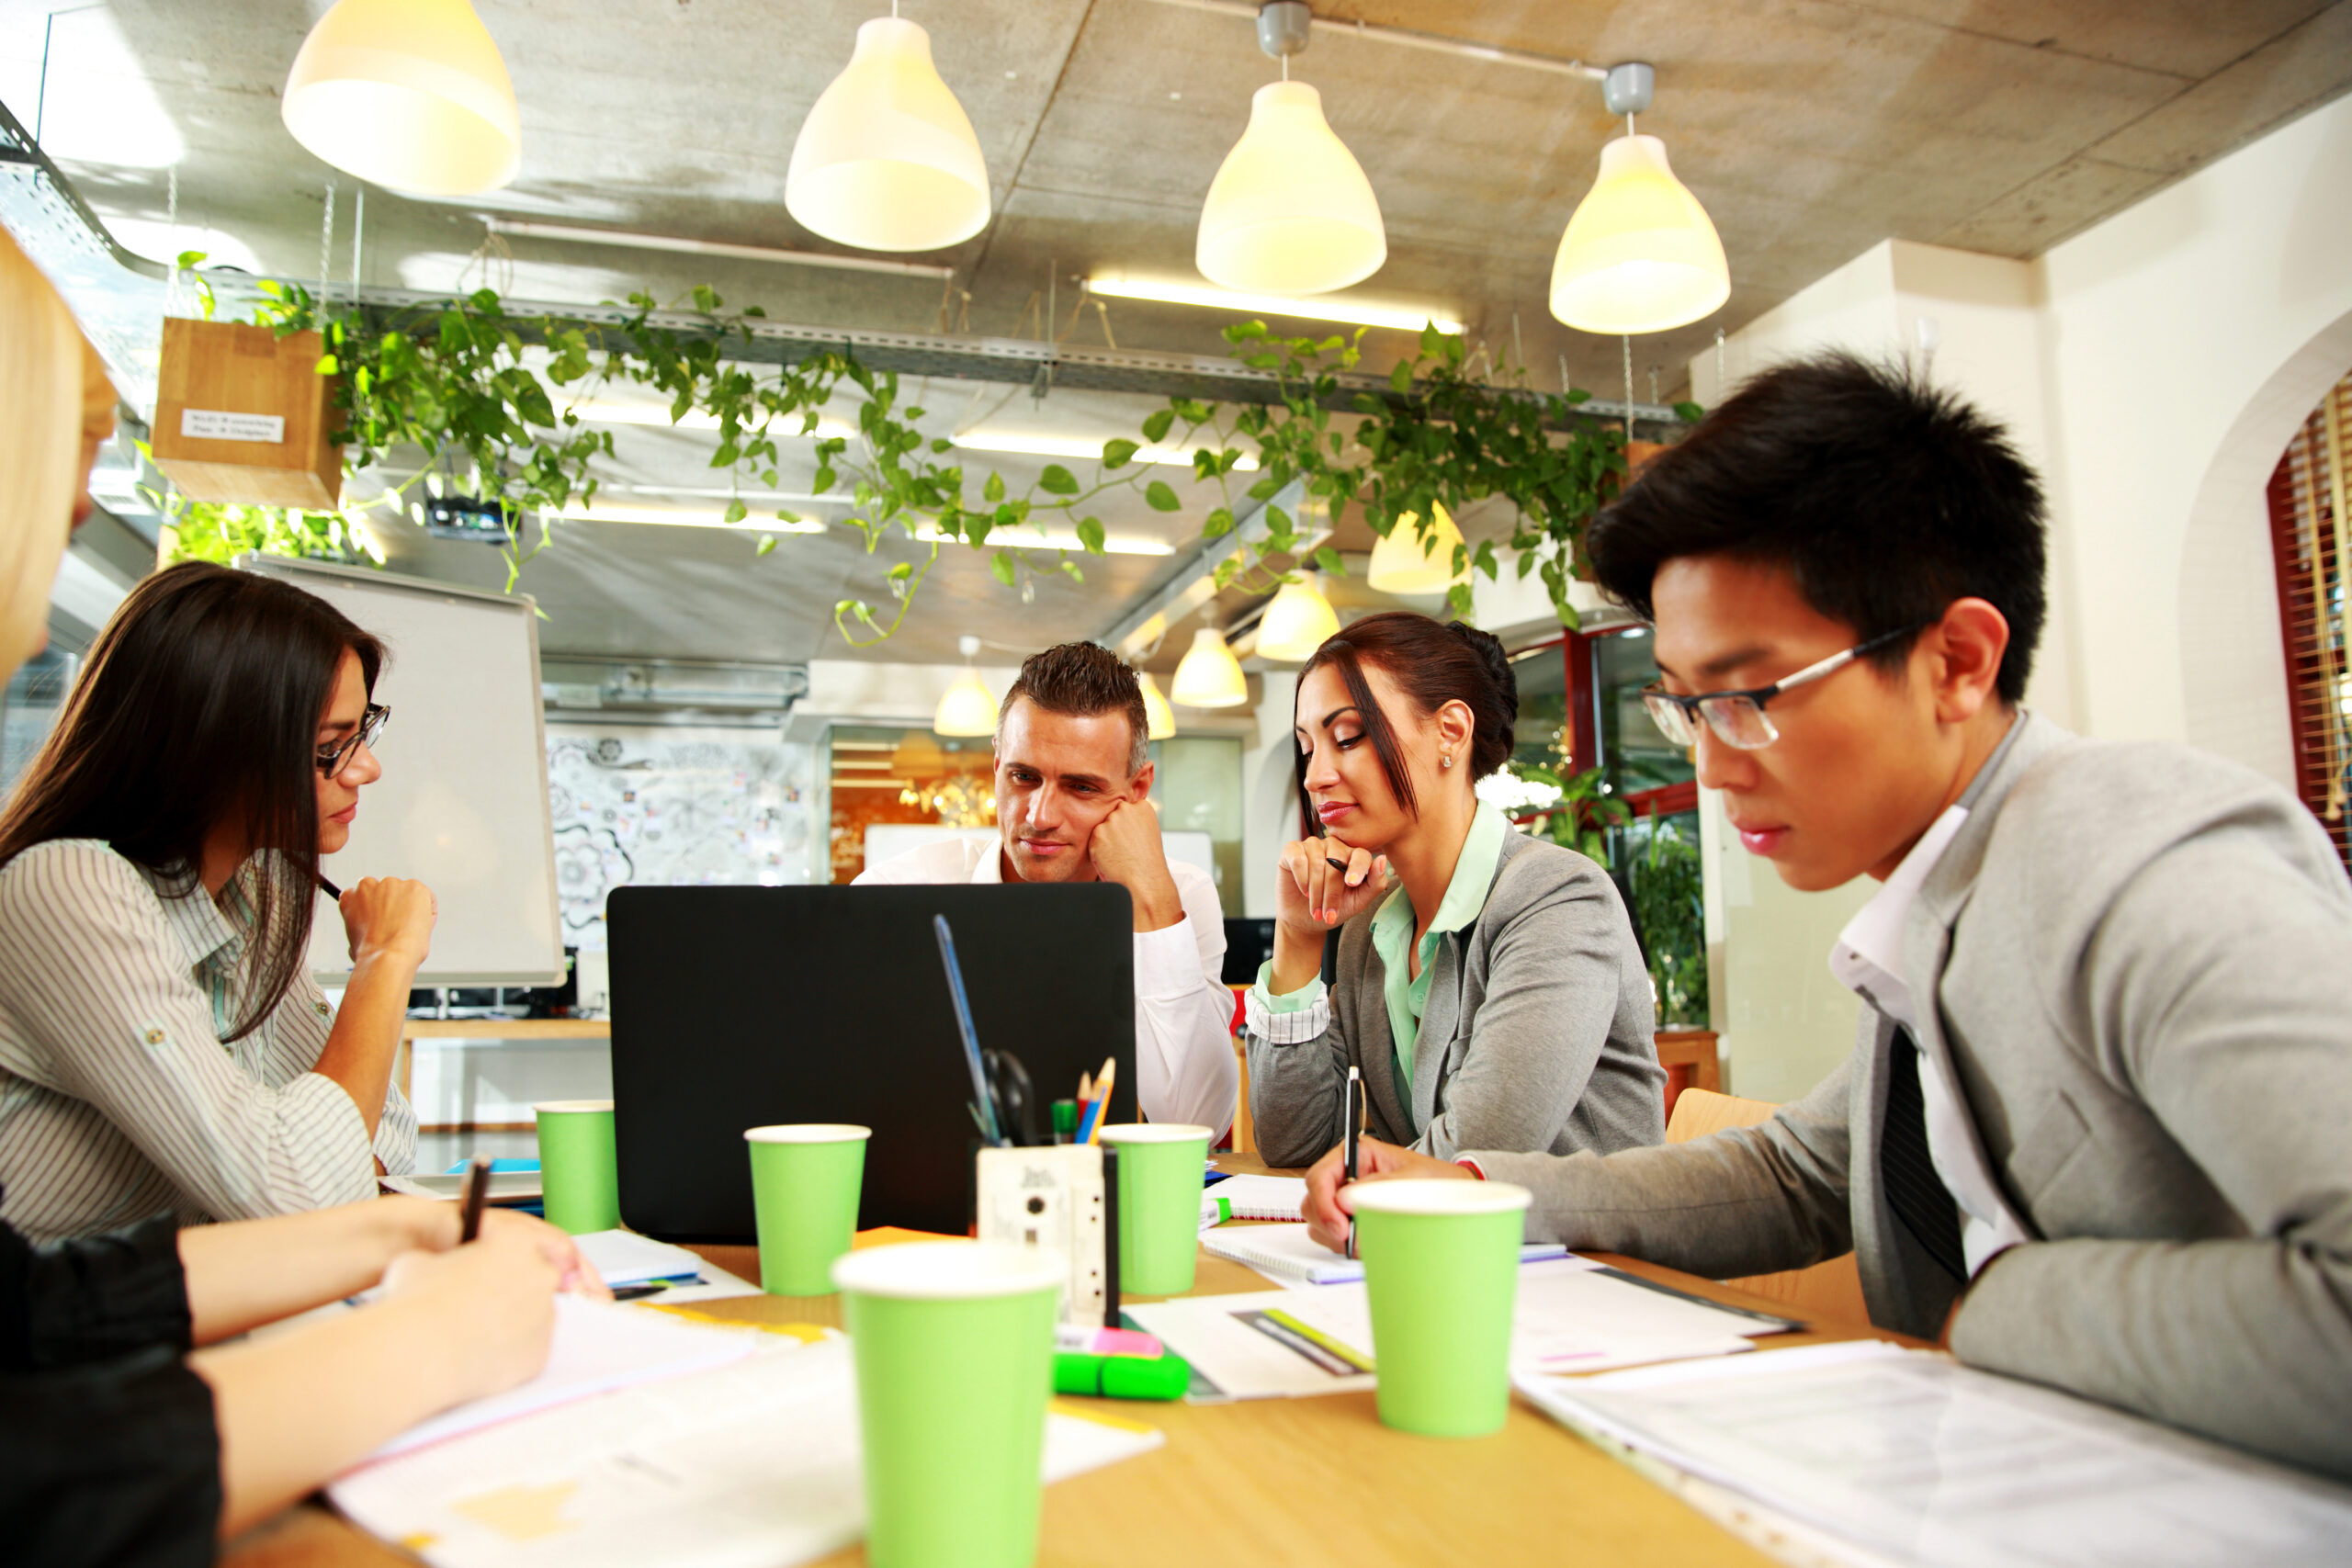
(2311, 537)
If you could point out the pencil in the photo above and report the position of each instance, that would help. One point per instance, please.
(1105, 1083)
(477, 1190)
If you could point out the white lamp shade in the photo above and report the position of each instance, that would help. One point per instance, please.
(887, 160)
(1289, 210)
(1640, 254)
(407, 93)
(1209, 676)
(1159, 719)
(965, 708)
(1398, 565)
(1296, 622)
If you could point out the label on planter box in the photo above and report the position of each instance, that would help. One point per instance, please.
(215, 424)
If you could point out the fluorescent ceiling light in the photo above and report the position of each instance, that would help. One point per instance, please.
(1038, 539)
(598, 410)
(1075, 447)
(530, 230)
(687, 517)
(1324, 308)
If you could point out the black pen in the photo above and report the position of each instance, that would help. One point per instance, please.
(1352, 1114)
(477, 1190)
(328, 888)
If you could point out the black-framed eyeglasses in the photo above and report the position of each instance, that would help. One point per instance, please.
(1738, 718)
(332, 759)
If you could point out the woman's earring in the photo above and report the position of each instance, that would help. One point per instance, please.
(1446, 761)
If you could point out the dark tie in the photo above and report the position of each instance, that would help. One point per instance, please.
(1913, 1190)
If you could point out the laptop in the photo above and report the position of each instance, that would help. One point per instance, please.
(742, 1007)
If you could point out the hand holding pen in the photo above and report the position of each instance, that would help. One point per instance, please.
(1350, 1130)
(1322, 883)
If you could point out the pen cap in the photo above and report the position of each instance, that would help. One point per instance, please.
(1122, 1377)
(1065, 1117)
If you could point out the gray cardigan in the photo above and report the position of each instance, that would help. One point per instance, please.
(2141, 961)
(1536, 1033)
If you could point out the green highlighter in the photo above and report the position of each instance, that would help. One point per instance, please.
(1122, 1377)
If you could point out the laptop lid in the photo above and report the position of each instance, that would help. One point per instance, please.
(742, 1007)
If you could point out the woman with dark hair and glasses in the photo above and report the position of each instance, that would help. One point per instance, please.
(1490, 994)
(163, 1047)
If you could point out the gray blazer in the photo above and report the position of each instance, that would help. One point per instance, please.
(1536, 1035)
(2141, 959)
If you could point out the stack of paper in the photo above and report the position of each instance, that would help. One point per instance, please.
(625, 1258)
(1569, 1314)
(1289, 1257)
(754, 1465)
(1907, 1456)
(1257, 1198)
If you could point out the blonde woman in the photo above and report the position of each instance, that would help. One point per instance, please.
(114, 1446)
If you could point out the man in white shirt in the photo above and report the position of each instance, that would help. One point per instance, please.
(2093, 1129)
(1073, 785)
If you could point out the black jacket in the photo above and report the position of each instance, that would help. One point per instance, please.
(108, 1452)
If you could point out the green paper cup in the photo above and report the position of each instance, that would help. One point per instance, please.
(1441, 1265)
(953, 1342)
(805, 1185)
(1161, 1167)
(577, 1166)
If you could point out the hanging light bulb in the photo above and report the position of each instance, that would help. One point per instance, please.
(887, 160)
(1209, 676)
(1296, 623)
(1289, 210)
(1399, 564)
(967, 708)
(1640, 254)
(1159, 719)
(408, 93)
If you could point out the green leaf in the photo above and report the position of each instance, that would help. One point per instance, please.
(1400, 380)
(1057, 480)
(766, 544)
(1070, 569)
(1002, 564)
(1218, 524)
(191, 258)
(1689, 412)
(735, 510)
(1119, 454)
(941, 444)
(992, 489)
(327, 365)
(1090, 535)
(1329, 559)
(1160, 497)
(822, 479)
(1156, 422)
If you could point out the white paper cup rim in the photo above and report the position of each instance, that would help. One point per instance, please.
(945, 1270)
(1434, 1197)
(569, 1107)
(1154, 1132)
(807, 1132)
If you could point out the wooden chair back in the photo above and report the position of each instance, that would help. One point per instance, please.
(1831, 1291)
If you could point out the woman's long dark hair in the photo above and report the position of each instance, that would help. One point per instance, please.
(199, 706)
(1433, 665)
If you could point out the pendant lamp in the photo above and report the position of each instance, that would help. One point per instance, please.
(1296, 623)
(1209, 676)
(1640, 254)
(967, 708)
(1159, 719)
(887, 160)
(1398, 563)
(1289, 210)
(407, 93)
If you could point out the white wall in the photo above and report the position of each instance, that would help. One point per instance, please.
(2185, 340)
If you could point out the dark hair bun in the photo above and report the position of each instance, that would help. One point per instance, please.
(1498, 713)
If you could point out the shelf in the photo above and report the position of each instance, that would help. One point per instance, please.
(506, 1029)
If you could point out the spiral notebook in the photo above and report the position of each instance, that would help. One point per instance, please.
(1260, 1198)
(1289, 1257)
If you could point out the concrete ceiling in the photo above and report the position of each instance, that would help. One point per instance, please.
(1810, 128)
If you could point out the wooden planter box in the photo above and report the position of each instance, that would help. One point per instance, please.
(243, 416)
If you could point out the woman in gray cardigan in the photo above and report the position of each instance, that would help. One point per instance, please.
(1495, 998)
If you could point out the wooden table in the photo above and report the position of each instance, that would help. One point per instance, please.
(1288, 1482)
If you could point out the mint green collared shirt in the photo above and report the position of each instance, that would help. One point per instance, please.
(1391, 929)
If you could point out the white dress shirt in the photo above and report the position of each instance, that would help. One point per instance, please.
(1185, 1067)
(119, 1097)
(1868, 960)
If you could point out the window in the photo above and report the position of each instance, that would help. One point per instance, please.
(2311, 539)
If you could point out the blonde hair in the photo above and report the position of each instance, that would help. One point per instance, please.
(55, 404)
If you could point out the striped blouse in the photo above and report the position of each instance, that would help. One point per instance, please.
(118, 1099)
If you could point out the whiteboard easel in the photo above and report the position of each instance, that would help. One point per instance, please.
(462, 804)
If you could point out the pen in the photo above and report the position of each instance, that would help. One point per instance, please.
(477, 1189)
(328, 888)
(1335, 862)
(1352, 1115)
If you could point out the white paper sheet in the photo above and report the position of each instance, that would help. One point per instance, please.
(1908, 1456)
(1291, 1258)
(625, 1258)
(597, 1347)
(754, 1465)
(1569, 1313)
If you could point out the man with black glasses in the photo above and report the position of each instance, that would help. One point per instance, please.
(2097, 1129)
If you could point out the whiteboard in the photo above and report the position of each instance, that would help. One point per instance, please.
(462, 804)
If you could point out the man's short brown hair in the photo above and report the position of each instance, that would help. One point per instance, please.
(1082, 679)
